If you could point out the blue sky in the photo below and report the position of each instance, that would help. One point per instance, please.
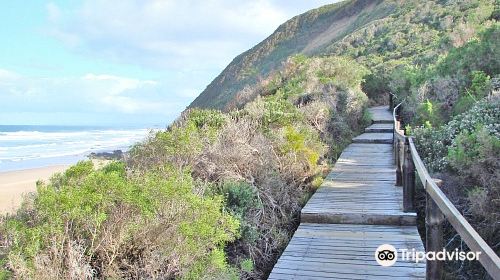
(122, 62)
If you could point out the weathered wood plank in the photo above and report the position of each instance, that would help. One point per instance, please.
(357, 217)
(379, 138)
(333, 251)
(381, 114)
(380, 127)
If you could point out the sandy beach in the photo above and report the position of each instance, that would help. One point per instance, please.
(13, 184)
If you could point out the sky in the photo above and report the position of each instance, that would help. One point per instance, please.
(123, 62)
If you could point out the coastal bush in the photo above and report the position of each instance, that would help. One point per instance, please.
(429, 114)
(453, 84)
(264, 189)
(180, 144)
(376, 87)
(476, 155)
(474, 159)
(303, 145)
(241, 200)
(341, 72)
(274, 150)
(433, 142)
(203, 118)
(101, 224)
(465, 152)
(273, 111)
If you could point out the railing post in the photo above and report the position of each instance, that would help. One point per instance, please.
(394, 143)
(408, 179)
(391, 102)
(399, 153)
(434, 235)
(395, 146)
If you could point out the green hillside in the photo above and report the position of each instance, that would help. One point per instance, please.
(378, 34)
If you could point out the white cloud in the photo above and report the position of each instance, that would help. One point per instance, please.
(169, 34)
(115, 85)
(90, 93)
(54, 12)
(6, 75)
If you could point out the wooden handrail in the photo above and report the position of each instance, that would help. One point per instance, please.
(488, 258)
(408, 162)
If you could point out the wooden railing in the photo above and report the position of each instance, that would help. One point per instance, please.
(438, 206)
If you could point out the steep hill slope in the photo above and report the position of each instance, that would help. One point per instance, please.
(380, 34)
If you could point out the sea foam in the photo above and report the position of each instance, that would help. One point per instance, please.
(28, 149)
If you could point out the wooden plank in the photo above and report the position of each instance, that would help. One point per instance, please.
(353, 268)
(367, 260)
(346, 250)
(379, 138)
(347, 265)
(380, 127)
(381, 115)
(380, 149)
(331, 217)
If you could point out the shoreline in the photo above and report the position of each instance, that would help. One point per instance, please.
(14, 184)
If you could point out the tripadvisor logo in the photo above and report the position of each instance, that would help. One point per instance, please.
(387, 255)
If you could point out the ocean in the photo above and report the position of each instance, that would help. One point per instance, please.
(32, 146)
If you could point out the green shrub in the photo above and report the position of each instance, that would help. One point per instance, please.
(108, 219)
(302, 143)
(246, 265)
(241, 199)
(178, 145)
(479, 54)
(367, 118)
(474, 153)
(479, 88)
(464, 103)
(203, 118)
(376, 87)
(429, 114)
(433, 142)
(432, 145)
(273, 111)
(342, 72)
(299, 59)
(480, 84)
(4, 273)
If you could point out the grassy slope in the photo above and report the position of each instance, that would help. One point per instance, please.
(379, 34)
(290, 38)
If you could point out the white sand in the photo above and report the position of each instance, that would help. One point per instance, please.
(13, 184)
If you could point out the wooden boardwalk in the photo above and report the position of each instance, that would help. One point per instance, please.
(355, 210)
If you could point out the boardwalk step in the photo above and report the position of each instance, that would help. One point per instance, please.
(335, 251)
(358, 216)
(381, 115)
(377, 138)
(349, 198)
(382, 121)
(380, 127)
